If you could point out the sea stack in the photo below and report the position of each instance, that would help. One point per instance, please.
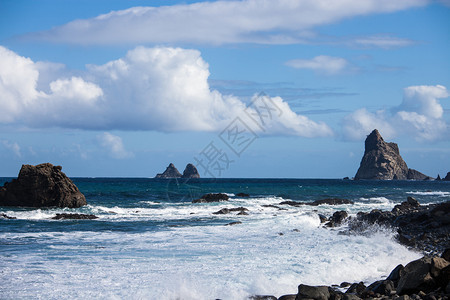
(170, 172)
(43, 185)
(190, 172)
(382, 161)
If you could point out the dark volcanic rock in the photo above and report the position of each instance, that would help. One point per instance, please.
(5, 216)
(262, 297)
(383, 161)
(242, 195)
(447, 178)
(438, 178)
(225, 211)
(190, 172)
(337, 218)
(170, 172)
(212, 198)
(65, 216)
(233, 223)
(312, 292)
(329, 201)
(43, 185)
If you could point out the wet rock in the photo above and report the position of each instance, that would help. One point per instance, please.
(383, 287)
(42, 185)
(329, 201)
(356, 288)
(233, 223)
(262, 297)
(65, 216)
(212, 198)
(394, 276)
(383, 161)
(288, 297)
(242, 195)
(5, 216)
(225, 211)
(170, 172)
(312, 292)
(322, 218)
(337, 218)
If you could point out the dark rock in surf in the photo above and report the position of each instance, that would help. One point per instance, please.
(329, 201)
(190, 172)
(65, 216)
(5, 216)
(170, 172)
(312, 292)
(383, 161)
(42, 185)
(225, 211)
(233, 223)
(242, 195)
(337, 218)
(212, 198)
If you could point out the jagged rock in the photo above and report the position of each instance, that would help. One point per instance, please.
(190, 172)
(415, 277)
(438, 178)
(212, 198)
(65, 216)
(170, 172)
(337, 218)
(447, 178)
(43, 185)
(383, 161)
(312, 292)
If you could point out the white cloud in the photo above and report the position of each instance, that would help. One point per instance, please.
(218, 22)
(381, 41)
(114, 145)
(163, 89)
(420, 115)
(12, 146)
(321, 64)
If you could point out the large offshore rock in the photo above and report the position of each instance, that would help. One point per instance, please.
(190, 172)
(383, 161)
(170, 172)
(43, 185)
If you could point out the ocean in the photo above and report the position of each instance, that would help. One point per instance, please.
(151, 242)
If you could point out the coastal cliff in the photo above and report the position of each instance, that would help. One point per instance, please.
(383, 161)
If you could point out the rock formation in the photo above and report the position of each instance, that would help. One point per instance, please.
(190, 172)
(170, 172)
(447, 178)
(208, 198)
(383, 161)
(43, 185)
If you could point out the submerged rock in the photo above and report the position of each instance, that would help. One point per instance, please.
(65, 216)
(43, 185)
(170, 172)
(190, 172)
(383, 161)
(212, 198)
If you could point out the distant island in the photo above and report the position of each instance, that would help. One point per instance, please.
(383, 161)
(172, 172)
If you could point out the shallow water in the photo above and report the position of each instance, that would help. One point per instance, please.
(151, 242)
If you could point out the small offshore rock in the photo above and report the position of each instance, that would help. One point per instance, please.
(312, 292)
(242, 195)
(65, 216)
(233, 223)
(212, 198)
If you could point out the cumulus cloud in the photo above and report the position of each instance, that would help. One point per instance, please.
(218, 22)
(163, 89)
(114, 145)
(321, 64)
(419, 115)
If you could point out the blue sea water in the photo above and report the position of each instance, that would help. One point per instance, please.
(151, 242)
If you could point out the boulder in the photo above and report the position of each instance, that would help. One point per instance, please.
(337, 218)
(190, 172)
(65, 216)
(415, 277)
(242, 195)
(312, 292)
(170, 172)
(212, 198)
(43, 185)
(383, 161)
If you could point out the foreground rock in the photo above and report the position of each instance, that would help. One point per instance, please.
(65, 216)
(170, 172)
(190, 172)
(422, 227)
(383, 161)
(212, 198)
(43, 185)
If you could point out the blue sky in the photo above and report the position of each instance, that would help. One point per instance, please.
(251, 88)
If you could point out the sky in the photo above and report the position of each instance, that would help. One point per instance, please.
(252, 88)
